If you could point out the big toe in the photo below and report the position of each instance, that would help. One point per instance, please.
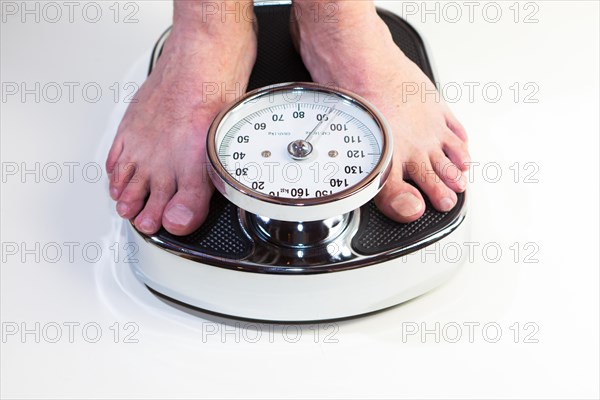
(187, 210)
(400, 201)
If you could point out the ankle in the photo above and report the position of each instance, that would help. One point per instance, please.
(333, 15)
(326, 23)
(202, 17)
(352, 35)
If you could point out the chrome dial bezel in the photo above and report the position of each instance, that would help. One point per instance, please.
(311, 209)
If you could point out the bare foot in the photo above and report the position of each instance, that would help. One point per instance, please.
(157, 163)
(357, 53)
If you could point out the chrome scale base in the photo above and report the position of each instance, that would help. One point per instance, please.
(246, 266)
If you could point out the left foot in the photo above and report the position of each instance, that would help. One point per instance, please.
(357, 53)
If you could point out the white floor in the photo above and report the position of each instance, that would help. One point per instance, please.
(540, 293)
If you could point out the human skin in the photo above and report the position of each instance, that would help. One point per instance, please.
(157, 164)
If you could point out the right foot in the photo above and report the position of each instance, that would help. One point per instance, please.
(357, 53)
(157, 163)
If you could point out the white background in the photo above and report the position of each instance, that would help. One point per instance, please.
(180, 354)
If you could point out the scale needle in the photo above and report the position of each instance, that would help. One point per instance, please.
(325, 118)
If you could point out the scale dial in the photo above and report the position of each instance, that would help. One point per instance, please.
(299, 152)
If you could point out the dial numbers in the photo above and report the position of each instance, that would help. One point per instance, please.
(302, 149)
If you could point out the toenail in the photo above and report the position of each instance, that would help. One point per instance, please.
(462, 183)
(147, 225)
(122, 209)
(407, 204)
(114, 192)
(179, 215)
(447, 204)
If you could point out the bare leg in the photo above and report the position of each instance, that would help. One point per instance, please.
(157, 161)
(357, 53)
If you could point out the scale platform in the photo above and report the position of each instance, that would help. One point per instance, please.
(226, 268)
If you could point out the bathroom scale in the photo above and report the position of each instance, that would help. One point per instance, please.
(293, 233)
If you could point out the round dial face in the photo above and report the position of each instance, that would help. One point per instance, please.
(299, 143)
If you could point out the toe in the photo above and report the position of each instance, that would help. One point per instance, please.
(133, 197)
(453, 177)
(457, 152)
(400, 201)
(122, 175)
(113, 156)
(455, 126)
(149, 220)
(188, 209)
(423, 174)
